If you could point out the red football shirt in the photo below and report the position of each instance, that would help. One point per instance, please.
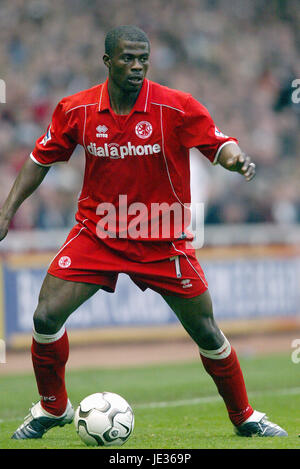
(137, 175)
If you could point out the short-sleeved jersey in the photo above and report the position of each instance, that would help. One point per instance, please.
(137, 174)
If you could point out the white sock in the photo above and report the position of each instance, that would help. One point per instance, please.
(222, 352)
(255, 417)
(48, 338)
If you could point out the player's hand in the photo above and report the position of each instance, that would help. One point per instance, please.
(242, 164)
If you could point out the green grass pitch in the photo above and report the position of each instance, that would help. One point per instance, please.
(176, 406)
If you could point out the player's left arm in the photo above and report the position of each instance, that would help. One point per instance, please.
(231, 157)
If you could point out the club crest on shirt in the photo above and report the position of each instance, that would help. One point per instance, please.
(64, 262)
(143, 129)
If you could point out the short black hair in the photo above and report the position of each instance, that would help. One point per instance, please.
(127, 32)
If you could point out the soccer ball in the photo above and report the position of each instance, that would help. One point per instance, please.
(104, 419)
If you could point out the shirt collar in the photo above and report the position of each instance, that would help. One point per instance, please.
(142, 103)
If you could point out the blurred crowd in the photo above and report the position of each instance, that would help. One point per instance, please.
(239, 58)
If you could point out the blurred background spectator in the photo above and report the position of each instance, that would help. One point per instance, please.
(238, 58)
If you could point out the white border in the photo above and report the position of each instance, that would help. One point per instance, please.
(66, 244)
(81, 105)
(170, 107)
(41, 164)
(182, 252)
(165, 158)
(220, 148)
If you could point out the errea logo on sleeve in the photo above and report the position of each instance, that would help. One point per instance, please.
(47, 137)
(218, 133)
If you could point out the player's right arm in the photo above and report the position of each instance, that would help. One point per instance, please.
(200, 131)
(27, 181)
(56, 145)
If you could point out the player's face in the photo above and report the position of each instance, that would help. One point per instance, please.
(128, 65)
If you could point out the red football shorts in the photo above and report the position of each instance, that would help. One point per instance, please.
(169, 268)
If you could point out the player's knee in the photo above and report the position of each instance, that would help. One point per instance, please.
(209, 339)
(207, 334)
(45, 322)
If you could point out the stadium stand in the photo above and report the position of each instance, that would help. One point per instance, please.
(51, 49)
